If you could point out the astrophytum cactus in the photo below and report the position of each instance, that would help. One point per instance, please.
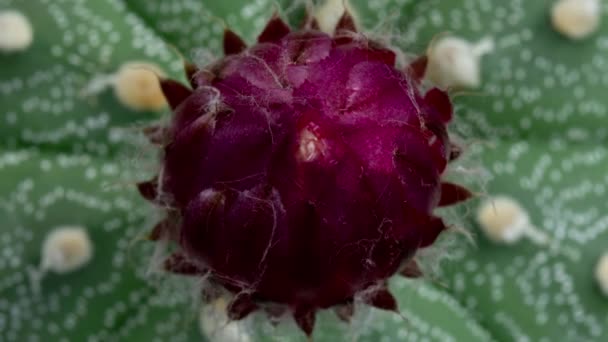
(302, 171)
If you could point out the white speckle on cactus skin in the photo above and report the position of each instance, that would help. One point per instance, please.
(504, 220)
(215, 325)
(576, 19)
(66, 249)
(455, 62)
(16, 33)
(137, 86)
(601, 273)
(329, 13)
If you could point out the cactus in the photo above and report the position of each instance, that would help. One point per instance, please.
(533, 130)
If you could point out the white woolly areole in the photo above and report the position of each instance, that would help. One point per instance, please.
(576, 19)
(214, 324)
(137, 86)
(330, 12)
(455, 63)
(66, 249)
(503, 220)
(16, 33)
(601, 273)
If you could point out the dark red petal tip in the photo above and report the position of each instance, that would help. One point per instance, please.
(455, 151)
(346, 23)
(411, 269)
(432, 229)
(148, 189)
(177, 263)
(274, 30)
(233, 44)
(190, 70)
(159, 231)
(305, 319)
(417, 69)
(241, 306)
(382, 299)
(309, 22)
(175, 92)
(452, 194)
(440, 101)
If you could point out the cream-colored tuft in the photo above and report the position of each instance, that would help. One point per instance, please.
(137, 86)
(66, 249)
(456, 63)
(601, 273)
(503, 220)
(216, 326)
(330, 12)
(16, 33)
(576, 19)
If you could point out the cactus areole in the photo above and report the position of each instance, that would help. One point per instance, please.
(302, 171)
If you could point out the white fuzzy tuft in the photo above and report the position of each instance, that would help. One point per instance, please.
(456, 63)
(330, 12)
(16, 33)
(66, 249)
(576, 19)
(504, 220)
(601, 273)
(214, 324)
(137, 86)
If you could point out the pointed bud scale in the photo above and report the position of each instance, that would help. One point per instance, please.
(441, 103)
(346, 23)
(233, 44)
(240, 307)
(177, 263)
(432, 230)
(166, 229)
(148, 189)
(190, 70)
(156, 134)
(174, 92)
(159, 231)
(453, 194)
(345, 312)
(274, 30)
(411, 269)
(455, 152)
(305, 319)
(417, 68)
(309, 22)
(382, 299)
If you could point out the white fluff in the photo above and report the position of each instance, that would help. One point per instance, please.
(215, 325)
(16, 33)
(504, 220)
(576, 19)
(66, 249)
(330, 12)
(456, 63)
(601, 273)
(136, 85)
